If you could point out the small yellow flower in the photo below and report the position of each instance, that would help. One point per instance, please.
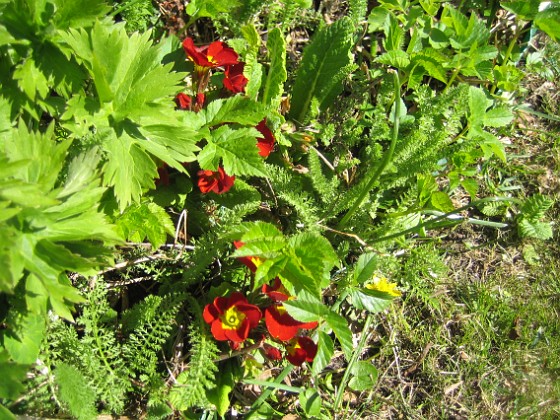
(381, 284)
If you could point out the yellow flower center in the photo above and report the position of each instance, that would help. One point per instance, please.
(294, 345)
(381, 284)
(232, 318)
(281, 310)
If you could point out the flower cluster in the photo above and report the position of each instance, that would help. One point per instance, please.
(217, 57)
(231, 319)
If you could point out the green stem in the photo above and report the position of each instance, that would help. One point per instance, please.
(507, 54)
(432, 222)
(386, 159)
(352, 362)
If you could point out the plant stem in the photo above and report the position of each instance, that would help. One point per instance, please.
(421, 226)
(386, 159)
(352, 362)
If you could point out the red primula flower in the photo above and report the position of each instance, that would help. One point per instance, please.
(251, 262)
(217, 182)
(301, 349)
(277, 291)
(210, 56)
(281, 325)
(271, 352)
(266, 143)
(231, 318)
(185, 101)
(234, 80)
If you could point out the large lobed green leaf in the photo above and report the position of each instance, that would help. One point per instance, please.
(133, 112)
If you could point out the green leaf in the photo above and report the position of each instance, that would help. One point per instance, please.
(12, 375)
(325, 350)
(441, 201)
(394, 34)
(524, 9)
(146, 220)
(548, 21)
(478, 104)
(364, 376)
(339, 325)
(219, 395)
(535, 229)
(75, 391)
(210, 8)
(236, 148)
(323, 60)
(497, 117)
(395, 58)
(365, 267)
(24, 336)
(371, 300)
(277, 75)
(315, 253)
(31, 80)
(236, 109)
(6, 414)
(310, 402)
(306, 308)
(129, 169)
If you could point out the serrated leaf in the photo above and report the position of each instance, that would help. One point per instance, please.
(325, 350)
(209, 8)
(478, 104)
(339, 325)
(24, 336)
(277, 75)
(364, 376)
(236, 109)
(75, 391)
(524, 9)
(146, 220)
(77, 14)
(535, 229)
(237, 149)
(323, 59)
(12, 375)
(371, 300)
(395, 58)
(31, 80)
(310, 402)
(548, 21)
(432, 61)
(497, 117)
(306, 309)
(129, 169)
(441, 201)
(315, 254)
(365, 267)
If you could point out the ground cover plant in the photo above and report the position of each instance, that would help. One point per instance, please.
(273, 209)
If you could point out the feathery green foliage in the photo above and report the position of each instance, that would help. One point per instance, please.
(191, 384)
(75, 392)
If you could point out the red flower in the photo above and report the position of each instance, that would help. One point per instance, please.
(277, 291)
(231, 318)
(281, 325)
(217, 182)
(234, 80)
(210, 56)
(271, 352)
(185, 101)
(301, 349)
(266, 143)
(163, 175)
(251, 262)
